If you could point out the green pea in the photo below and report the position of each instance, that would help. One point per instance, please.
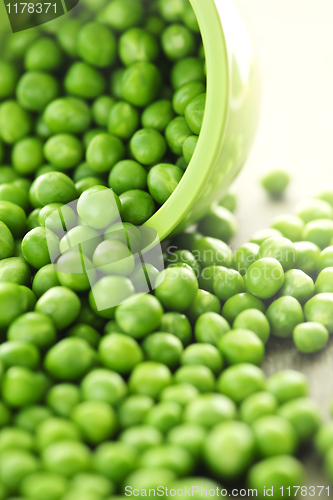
(276, 182)
(290, 226)
(275, 436)
(188, 436)
(180, 257)
(103, 385)
(8, 79)
(325, 260)
(18, 353)
(134, 409)
(177, 42)
(7, 244)
(96, 420)
(67, 115)
(303, 414)
(148, 146)
(203, 303)
(187, 70)
(101, 109)
(85, 332)
(27, 155)
(38, 246)
(104, 152)
(53, 430)
(259, 237)
(163, 348)
(45, 278)
(42, 484)
(140, 83)
(62, 305)
(181, 393)
(185, 94)
(127, 234)
(70, 359)
(164, 416)
(170, 457)
(211, 252)
(120, 353)
(287, 385)
(13, 303)
(176, 288)
(54, 187)
(171, 10)
(157, 115)
(280, 249)
(176, 133)
(163, 179)
(238, 439)
(228, 283)
(277, 472)
(107, 293)
(298, 285)
(66, 458)
(123, 120)
(116, 83)
(206, 278)
(239, 303)
(88, 316)
(313, 209)
(142, 437)
(64, 151)
(13, 437)
(257, 405)
(93, 483)
(194, 113)
(15, 122)
(43, 55)
(209, 410)
(255, 321)
(115, 460)
(7, 175)
(29, 418)
(127, 175)
(319, 310)
(96, 45)
(149, 379)
(203, 354)
(67, 36)
(114, 258)
(5, 415)
(307, 256)
(241, 346)
(84, 81)
(189, 147)
(178, 325)
(210, 328)
(62, 398)
(324, 281)
(14, 194)
(14, 466)
(319, 232)
(240, 381)
(22, 387)
(284, 315)
(264, 278)
(137, 45)
(324, 438)
(199, 376)
(229, 201)
(35, 90)
(121, 15)
(310, 337)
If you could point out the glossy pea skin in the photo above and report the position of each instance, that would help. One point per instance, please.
(15, 122)
(83, 81)
(23, 387)
(324, 281)
(203, 354)
(107, 293)
(62, 398)
(36, 89)
(219, 223)
(176, 133)
(142, 437)
(162, 181)
(176, 288)
(177, 324)
(181, 393)
(307, 256)
(43, 55)
(171, 10)
(140, 83)
(98, 207)
(275, 436)
(137, 45)
(6, 242)
(258, 405)
(207, 276)
(164, 348)
(42, 483)
(240, 381)
(45, 278)
(211, 252)
(15, 194)
(103, 385)
(38, 246)
(104, 151)
(290, 226)
(177, 42)
(122, 15)
(164, 416)
(325, 260)
(255, 321)
(313, 209)
(190, 69)
(189, 147)
(35, 328)
(96, 420)
(199, 376)
(297, 284)
(194, 113)
(15, 270)
(120, 352)
(319, 232)
(96, 45)
(284, 315)
(66, 458)
(239, 303)
(67, 115)
(64, 151)
(241, 346)
(310, 337)
(17, 353)
(113, 258)
(123, 120)
(236, 437)
(185, 94)
(209, 410)
(69, 359)
(304, 414)
(157, 115)
(280, 249)
(188, 436)
(54, 187)
(15, 465)
(264, 278)
(85, 332)
(276, 182)
(13, 303)
(27, 155)
(283, 471)
(8, 79)
(183, 257)
(148, 146)
(149, 379)
(101, 109)
(287, 385)
(139, 316)
(319, 310)
(61, 304)
(210, 328)
(204, 302)
(228, 283)
(170, 457)
(262, 235)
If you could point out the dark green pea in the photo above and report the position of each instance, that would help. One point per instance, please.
(287, 385)
(7, 244)
(162, 180)
(136, 207)
(126, 176)
(8, 79)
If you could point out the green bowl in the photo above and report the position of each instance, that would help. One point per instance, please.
(231, 118)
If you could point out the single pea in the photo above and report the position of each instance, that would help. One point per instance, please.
(142, 478)
(103, 385)
(203, 303)
(212, 252)
(319, 310)
(209, 410)
(181, 163)
(148, 146)
(219, 223)
(239, 303)
(140, 83)
(120, 352)
(325, 260)
(96, 45)
(157, 115)
(123, 120)
(171, 10)
(310, 337)
(194, 113)
(55, 429)
(66, 458)
(203, 354)
(139, 316)
(199, 376)
(210, 328)
(319, 232)
(290, 226)
(107, 293)
(27, 155)
(187, 70)
(280, 249)
(43, 55)
(324, 281)
(181, 393)
(276, 182)
(39, 246)
(185, 94)
(67, 36)
(178, 325)
(96, 420)
(7, 174)
(163, 179)
(45, 278)
(307, 256)
(17, 45)
(98, 207)
(30, 417)
(304, 414)
(324, 438)
(36, 89)
(42, 484)
(164, 348)
(18, 353)
(15, 122)
(104, 151)
(176, 133)
(274, 436)
(207, 276)
(115, 460)
(116, 83)
(228, 283)
(297, 284)
(257, 405)
(93, 483)
(164, 416)
(67, 115)
(277, 472)
(14, 437)
(142, 437)
(15, 465)
(313, 209)
(61, 304)
(190, 19)
(264, 278)
(70, 359)
(54, 187)
(122, 15)
(64, 151)
(62, 398)
(241, 346)
(189, 436)
(85, 332)
(287, 385)
(149, 379)
(13, 303)
(189, 146)
(263, 234)
(9, 77)
(83, 81)
(170, 457)
(34, 328)
(137, 45)
(238, 439)
(101, 109)
(15, 194)
(176, 288)
(177, 42)
(255, 321)
(134, 410)
(7, 244)
(127, 234)
(23, 387)
(240, 381)
(284, 315)
(114, 258)
(183, 257)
